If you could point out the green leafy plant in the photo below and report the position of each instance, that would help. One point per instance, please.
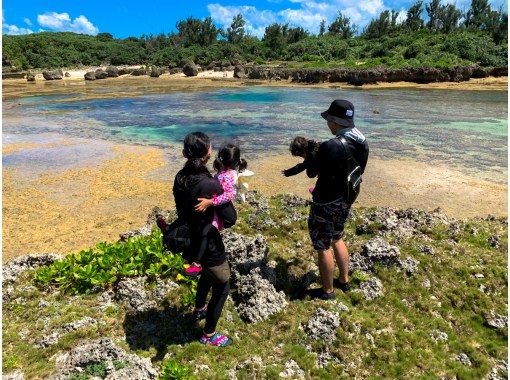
(91, 270)
(172, 370)
(358, 277)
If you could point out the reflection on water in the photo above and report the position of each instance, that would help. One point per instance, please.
(465, 128)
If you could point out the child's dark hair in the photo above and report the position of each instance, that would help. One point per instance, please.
(229, 157)
(298, 146)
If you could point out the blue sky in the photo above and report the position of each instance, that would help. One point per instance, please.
(134, 18)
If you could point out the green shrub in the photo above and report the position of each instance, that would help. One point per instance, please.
(172, 370)
(94, 269)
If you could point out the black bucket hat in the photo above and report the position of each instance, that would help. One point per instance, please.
(341, 112)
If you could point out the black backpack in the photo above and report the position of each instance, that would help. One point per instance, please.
(176, 238)
(353, 180)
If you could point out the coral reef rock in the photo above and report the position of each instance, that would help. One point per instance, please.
(104, 351)
(322, 325)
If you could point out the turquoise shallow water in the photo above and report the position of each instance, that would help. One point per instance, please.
(468, 129)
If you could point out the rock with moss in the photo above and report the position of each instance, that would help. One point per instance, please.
(53, 74)
(245, 253)
(100, 74)
(155, 72)
(112, 71)
(15, 375)
(408, 265)
(292, 371)
(495, 320)
(258, 201)
(53, 338)
(371, 289)
(190, 69)
(133, 292)
(322, 325)
(256, 298)
(378, 250)
(498, 372)
(90, 75)
(105, 356)
(438, 336)
(14, 268)
(464, 359)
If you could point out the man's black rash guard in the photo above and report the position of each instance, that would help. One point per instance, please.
(332, 166)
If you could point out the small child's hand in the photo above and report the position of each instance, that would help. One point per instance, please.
(285, 173)
(203, 204)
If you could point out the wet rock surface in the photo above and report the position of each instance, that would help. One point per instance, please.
(322, 325)
(104, 351)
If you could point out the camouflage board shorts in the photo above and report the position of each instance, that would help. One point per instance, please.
(326, 222)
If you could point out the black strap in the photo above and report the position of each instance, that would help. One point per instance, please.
(348, 152)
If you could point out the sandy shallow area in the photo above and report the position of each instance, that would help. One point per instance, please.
(68, 210)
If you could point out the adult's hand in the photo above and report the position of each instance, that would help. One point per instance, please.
(203, 204)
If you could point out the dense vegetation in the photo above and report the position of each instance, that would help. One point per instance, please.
(446, 37)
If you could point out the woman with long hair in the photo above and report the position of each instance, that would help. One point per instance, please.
(195, 181)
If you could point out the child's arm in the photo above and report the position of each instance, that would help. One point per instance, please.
(295, 169)
(228, 184)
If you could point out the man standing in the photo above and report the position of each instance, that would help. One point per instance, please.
(330, 207)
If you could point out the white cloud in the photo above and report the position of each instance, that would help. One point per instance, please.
(27, 21)
(15, 30)
(54, 20)
(373, 7)
(402, 16)
(256, 21)
(308, 14)
(61, 22)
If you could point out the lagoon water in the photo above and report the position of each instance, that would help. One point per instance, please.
(467, 129)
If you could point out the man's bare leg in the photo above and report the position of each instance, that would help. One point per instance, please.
(326, 269)
(342, 259)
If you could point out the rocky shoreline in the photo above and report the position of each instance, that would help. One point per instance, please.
(359, 77)
(355, 77)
